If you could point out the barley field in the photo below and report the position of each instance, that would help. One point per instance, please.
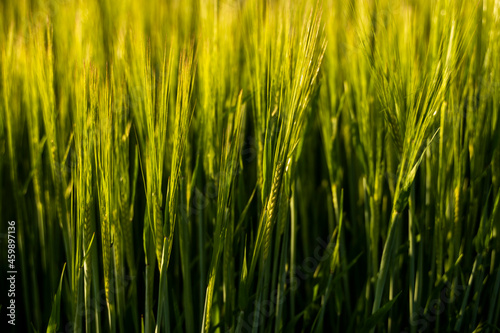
(250, 166)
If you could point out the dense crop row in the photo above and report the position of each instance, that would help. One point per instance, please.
(251, 166)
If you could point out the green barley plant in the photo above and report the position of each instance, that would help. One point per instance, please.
(250, 166)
